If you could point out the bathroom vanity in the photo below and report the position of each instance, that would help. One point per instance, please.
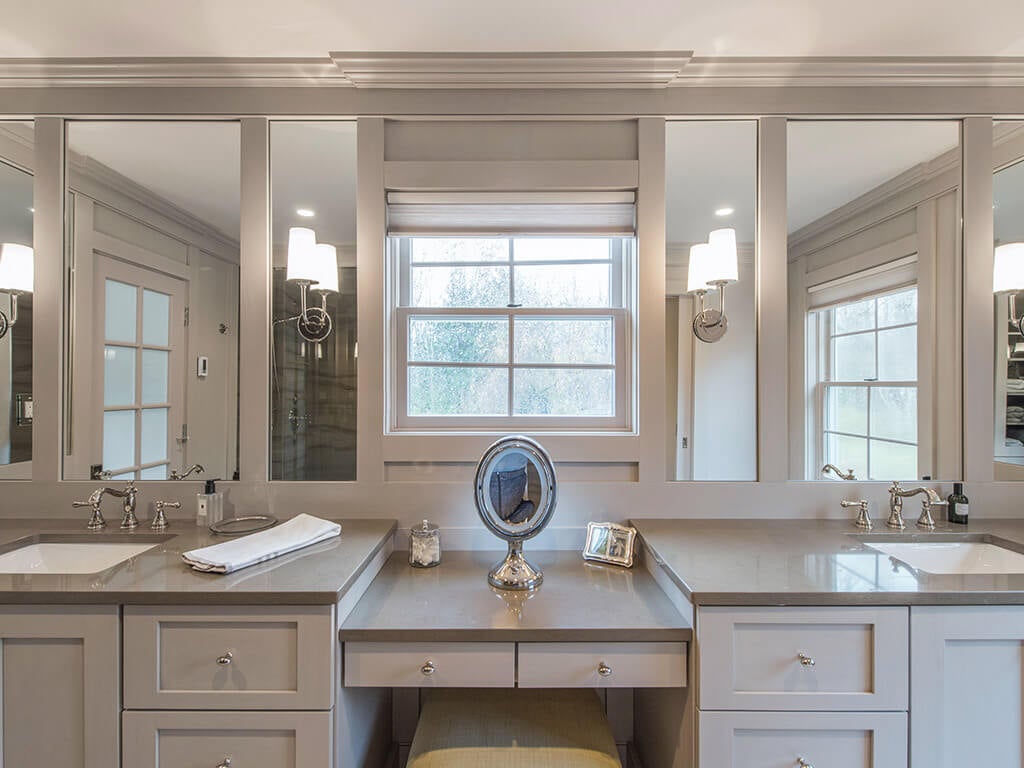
(149, 663)
(813, 648)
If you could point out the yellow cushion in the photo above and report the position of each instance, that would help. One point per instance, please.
(512, 728)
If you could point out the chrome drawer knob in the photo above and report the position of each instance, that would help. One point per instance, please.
(428, 669)
(224, 661)
(801, 763)
(807, 661)
(604, 670)
(226, 763)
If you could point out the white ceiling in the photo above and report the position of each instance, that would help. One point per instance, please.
(714, 164)
(195, 166)
(311, 28)
(831, 163)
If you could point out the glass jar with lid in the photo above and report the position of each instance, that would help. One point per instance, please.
(425, 545)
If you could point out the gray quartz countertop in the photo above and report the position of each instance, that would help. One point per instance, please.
(578, 601)
(819, 562)
(315, 575)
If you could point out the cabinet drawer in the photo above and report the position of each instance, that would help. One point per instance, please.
(228, 658)
(213, 739)
(803, 658)
(832, 739)
(602, 665)
(430, 665)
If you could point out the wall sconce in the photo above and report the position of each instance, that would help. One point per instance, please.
(713, 264)
(313, 266)
(15, 279)
(1008, 277)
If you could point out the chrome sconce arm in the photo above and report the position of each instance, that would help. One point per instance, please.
(710, 325)
(9, 320)
(313, 322)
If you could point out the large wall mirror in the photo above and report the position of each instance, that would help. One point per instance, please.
(711, 365)
(16, 283)
(151, 385)
(314, 348)
(874, 300)
(1008, 290)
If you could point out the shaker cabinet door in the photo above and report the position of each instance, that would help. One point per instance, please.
(966, 686)
(60, 685)
(797, 739)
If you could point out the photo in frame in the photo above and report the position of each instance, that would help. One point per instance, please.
(610, 543)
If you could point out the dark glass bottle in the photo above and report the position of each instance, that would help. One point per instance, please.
(958, 505)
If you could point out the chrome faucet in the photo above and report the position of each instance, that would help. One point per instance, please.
(128, 519)
(847, 475)
(176, 475)
(896, 496)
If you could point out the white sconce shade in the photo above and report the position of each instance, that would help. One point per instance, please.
(15, 268)
(302, 254)
(1008, 268)
(726, 263)
(702, 262)
(326, 268)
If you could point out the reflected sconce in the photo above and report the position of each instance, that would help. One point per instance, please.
(713, 264)
(15, 279)
(1008, 277)
(313, 267)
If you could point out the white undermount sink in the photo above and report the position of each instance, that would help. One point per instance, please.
(63, 557)
(956, 557)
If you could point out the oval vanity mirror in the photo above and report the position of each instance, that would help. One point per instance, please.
(515, 491)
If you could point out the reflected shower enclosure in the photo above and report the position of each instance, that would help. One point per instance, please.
(313, 344)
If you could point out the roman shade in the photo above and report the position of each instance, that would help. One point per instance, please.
(890, 276)
(482, 214)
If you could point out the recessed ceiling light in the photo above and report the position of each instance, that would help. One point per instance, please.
(306, 213)
(31, 210)
(726, 211)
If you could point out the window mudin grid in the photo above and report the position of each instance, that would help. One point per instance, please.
(610, 317)
(873, 386)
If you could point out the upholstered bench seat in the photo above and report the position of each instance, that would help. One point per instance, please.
(512, 728)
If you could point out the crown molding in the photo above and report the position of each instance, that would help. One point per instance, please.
(831, 71)
(594, 70)
(625, 69)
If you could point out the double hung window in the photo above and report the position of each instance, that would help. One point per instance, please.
(527, 332)
(867, 388)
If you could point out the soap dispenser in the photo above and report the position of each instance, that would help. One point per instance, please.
(209, 504)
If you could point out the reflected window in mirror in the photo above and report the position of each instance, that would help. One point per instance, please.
(16, 286)
(152, 298)
(314, 352)
(711, 365)
(1008, 291)
(874, 260)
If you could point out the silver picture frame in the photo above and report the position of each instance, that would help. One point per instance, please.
(610, 543)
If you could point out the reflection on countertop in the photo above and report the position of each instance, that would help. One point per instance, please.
(819, 562)
(577, 601)
(316, 575)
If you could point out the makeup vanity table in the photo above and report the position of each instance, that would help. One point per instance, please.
(586, 626)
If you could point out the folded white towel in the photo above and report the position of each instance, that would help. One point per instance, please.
(301, 531)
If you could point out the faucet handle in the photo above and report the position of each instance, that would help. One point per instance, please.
(160, 518)
(863, 521)
(96, 521)
(925, 520)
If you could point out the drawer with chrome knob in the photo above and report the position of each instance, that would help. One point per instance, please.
(228, 657)
(602, 665)
(428, 669)
(430, 665)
